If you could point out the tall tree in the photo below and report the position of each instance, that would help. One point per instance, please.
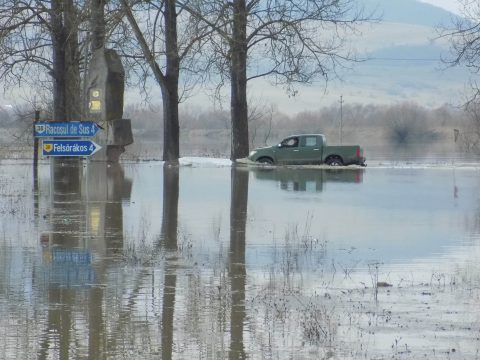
(290, 42)
(65, 61)
(155, 27)
(59, 36)
(238, 81)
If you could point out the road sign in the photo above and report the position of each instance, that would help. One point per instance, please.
(69, 148)
(66, 129)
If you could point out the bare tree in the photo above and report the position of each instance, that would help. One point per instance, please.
(18, 53)
(464, 40)
(39, 49)
(288, 41)
(407, 123)
(468, 137)
(159, 50)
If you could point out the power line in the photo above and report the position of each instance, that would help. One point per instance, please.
(402, 59)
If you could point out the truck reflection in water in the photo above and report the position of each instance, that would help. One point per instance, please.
(307, 179)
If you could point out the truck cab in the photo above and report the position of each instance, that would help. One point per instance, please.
(300, 149)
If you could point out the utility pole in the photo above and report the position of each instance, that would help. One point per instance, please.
(341, 119)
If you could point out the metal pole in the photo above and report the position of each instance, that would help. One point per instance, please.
(35, 166)
(341, 119)
(35, 152)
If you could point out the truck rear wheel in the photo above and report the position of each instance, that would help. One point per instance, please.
(334, 161)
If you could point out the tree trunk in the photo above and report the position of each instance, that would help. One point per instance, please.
(73, 99)
(97, 26)
(171, 146)
(58, 44)
(171, 132)
(66, 62)
(238, 101)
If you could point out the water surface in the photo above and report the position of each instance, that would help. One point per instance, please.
(208, 261)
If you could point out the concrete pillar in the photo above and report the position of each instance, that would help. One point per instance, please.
(105, 90)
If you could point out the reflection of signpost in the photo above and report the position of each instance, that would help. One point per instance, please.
(66, 267)
(66, 129)
(69, 148)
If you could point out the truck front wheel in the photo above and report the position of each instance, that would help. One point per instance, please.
(334, 160)
(265, 160)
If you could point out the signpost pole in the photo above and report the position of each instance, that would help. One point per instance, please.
(35, 152)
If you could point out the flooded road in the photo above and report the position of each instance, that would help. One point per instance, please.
(207, 261)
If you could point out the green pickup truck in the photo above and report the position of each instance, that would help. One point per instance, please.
(308, 149)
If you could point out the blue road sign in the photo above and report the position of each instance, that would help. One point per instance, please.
(66, 129)
(69, 148)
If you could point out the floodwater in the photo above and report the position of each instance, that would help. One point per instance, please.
(209, 261)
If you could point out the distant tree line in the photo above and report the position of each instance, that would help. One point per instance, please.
(400, 125)
(46, 46)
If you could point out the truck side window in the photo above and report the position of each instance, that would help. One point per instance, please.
(290, 142)
(311, 141)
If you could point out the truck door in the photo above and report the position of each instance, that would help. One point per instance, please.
(311, 149)
(288, 150)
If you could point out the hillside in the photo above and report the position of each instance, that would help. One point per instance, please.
(402, 62)
(411, 12)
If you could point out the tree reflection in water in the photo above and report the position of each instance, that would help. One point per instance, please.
(169, 239)
(67, 205)
(237, 271)
(86, 218)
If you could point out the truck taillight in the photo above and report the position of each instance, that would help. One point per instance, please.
(358, 152)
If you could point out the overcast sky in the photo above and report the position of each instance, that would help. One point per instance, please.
(451, 5)
(361, 86)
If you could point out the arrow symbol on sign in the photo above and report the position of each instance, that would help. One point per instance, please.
(96, 147)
